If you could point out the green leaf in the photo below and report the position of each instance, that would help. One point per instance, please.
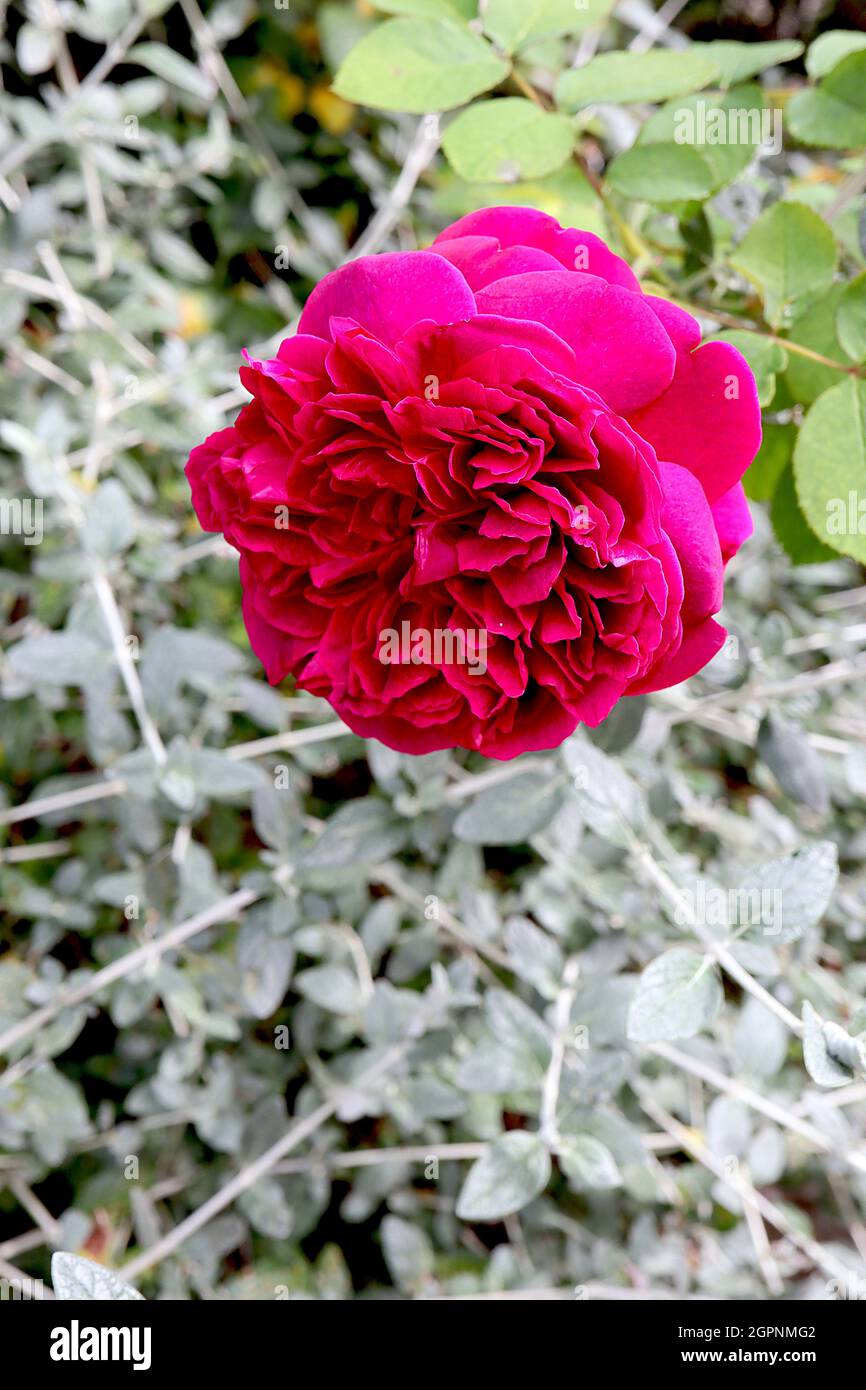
(176, 256)
(509, 22)
(76, 1279)
(678, 995)
(793, 531)
(767, 1156)
(265, 963)
(763, 475)
(190, 771)
(557, 17)
(789, 253)
(172, 657)
(830, 48)
(339, 28)
(627, 78)
(334, 988)
(49, 1107)
(265, 1207)
(609, 800)
(509, 814)
(109, 520)
(855, 769)
(765, 358)
(511, 1020)
(661, 174)
(738, 61)
(832, 1056)
(832, 115)
(816, 330)
(515, 1169)
(360, 832)
(760, 1039)
(513, 23)
(586, 1162)
(408, 1253)
(535, 956)
(506, 140)
(851, 318)
(724, 129)
(565, 195)
(58, 658)
(494, 1067)
(419, 65)
(428, 9)
(795, 764)
(814, 117)
(36, 48)
(793, 893)
(178, 71)
(728, 1126)
(218, 775)
(830, 467)
(622, 726)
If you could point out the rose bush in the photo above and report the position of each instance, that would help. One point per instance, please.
(500, 435)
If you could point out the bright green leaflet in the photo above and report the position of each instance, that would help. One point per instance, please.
(830, 467)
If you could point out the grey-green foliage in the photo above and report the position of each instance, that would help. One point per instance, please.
(477, 986)
(76, 1279)
(513, 1171)
(679, 994)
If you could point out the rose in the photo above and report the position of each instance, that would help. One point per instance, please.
(501, 436)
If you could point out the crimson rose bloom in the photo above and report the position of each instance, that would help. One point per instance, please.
(486, 490)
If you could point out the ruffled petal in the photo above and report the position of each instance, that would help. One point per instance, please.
(688, 521)
(622, 349)
(698, 647)
(481, 259)
(733, 521)
(573, 248)
(683, 330)
(708, 419)
(388, 295)
(506, 453)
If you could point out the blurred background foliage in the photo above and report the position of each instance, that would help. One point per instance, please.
(444, 954)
